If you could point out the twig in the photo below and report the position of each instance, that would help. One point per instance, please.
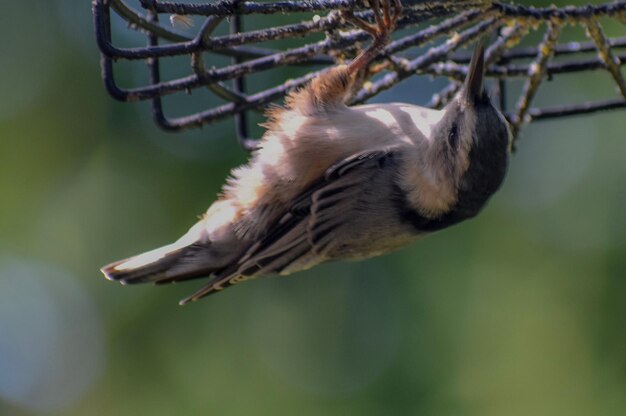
(611, 61)
(536, 72)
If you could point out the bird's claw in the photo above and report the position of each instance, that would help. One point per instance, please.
(386, 18)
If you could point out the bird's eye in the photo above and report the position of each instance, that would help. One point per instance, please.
(453, 137)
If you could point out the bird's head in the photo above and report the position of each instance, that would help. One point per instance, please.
(472, 140)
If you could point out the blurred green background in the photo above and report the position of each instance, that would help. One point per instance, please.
(521, 311)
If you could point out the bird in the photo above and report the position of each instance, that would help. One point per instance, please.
(329, 181)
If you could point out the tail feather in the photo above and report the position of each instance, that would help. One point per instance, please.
(163, 265)
(192, 256)
(216, 284)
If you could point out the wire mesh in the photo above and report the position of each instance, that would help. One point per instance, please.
(320, 38)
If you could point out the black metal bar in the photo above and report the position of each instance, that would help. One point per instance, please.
(258, 100)
(564, 49)
(452, 70)
(239, 85)
(538, 114)
(155, 78)
(232, 45)
(472, 18)
(227, 8)
(568, 12)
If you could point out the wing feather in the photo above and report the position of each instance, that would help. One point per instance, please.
(305, 232)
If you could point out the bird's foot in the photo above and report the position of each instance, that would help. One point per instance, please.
(386, 17)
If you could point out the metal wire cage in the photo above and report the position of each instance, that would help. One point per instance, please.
(319, 38)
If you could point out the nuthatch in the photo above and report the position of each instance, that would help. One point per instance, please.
(332, 182)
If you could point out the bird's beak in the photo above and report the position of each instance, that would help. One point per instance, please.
(474, 82)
